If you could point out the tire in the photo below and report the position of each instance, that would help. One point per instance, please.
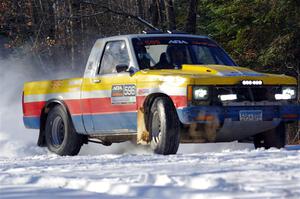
(164, 127)
(61, 137)
(273, 138)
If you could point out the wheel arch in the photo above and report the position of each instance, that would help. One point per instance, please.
(149, 102)
(144, 114)
(43, 118)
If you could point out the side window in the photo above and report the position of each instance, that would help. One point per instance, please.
(115, 53)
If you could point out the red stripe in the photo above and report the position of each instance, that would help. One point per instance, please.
(103, 105)
(179, 101)
(100, 106)
(74, 106)
(33, 108)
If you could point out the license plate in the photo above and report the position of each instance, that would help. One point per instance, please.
(250, 115)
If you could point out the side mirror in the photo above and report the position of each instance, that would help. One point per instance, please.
(121, 68)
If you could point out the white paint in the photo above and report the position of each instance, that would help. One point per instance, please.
(46, 97)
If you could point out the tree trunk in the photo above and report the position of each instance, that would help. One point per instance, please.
(170, 14)
(154, 13)
(140, 8)
(161, 15)
(190, 26)
(71, 35)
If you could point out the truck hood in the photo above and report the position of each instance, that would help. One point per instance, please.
(221, 74)
(221, 70)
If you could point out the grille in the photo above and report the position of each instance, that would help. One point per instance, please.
(247, 93)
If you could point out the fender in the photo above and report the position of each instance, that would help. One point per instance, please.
(43, 118)
(143, 112)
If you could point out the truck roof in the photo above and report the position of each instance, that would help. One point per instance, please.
(131, 36)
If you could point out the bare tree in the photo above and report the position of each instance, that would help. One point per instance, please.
(140, 8)
(191, 21)
(70, 31)
(154, 12)
(170, 14)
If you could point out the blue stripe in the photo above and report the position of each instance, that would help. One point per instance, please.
(106, 122)
(78, 124)
(115, 121)
(95, 123)
(31, 122)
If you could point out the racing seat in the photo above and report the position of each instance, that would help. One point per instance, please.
(163, 62)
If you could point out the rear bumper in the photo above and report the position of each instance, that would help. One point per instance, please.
(204, 114)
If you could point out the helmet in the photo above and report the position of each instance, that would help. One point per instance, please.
(176, 55)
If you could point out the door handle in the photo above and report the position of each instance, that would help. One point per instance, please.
(96, 81)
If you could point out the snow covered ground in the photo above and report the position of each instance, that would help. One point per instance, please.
(230, 170)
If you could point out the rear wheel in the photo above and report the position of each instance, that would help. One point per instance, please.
(273, 138)
(61, 137)
(164, 127)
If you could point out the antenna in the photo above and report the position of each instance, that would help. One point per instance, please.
(175, 32)
(143, 21)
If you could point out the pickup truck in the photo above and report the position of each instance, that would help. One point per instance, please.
(160, 90)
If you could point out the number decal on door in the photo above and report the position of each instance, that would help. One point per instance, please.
(129, 90)
(123, 94)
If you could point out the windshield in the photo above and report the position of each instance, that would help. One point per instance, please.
(171, 52)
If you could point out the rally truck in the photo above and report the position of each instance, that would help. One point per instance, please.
(160, 90)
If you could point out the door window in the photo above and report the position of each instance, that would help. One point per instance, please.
(115, 53)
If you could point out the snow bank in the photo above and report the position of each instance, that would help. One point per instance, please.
(229, 174)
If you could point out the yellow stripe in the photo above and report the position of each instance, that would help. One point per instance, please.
(154, 79)
(54, 86)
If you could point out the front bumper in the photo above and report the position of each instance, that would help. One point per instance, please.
(227, 123)
(205, 114)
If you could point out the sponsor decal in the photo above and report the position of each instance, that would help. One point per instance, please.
(117, 91)
(204, 43)
(143, 91)
(241, 73)
(253, 74)
(178, 42)
(123, 94)
(56, 84)
(152, 42)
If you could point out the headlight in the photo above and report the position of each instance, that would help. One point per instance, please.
(228, 97)
(287, 93)
(200, 93)
(252, 82)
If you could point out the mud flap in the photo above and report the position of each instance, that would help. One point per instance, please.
(143, 136)
(204, 131)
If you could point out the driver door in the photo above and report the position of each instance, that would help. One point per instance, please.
(113, 95)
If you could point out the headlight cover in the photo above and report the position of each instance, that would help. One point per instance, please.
(200, 92)
(287, 93)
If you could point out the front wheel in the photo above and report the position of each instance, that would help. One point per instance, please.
(273, 138)
(61, 137)
(164, 127)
